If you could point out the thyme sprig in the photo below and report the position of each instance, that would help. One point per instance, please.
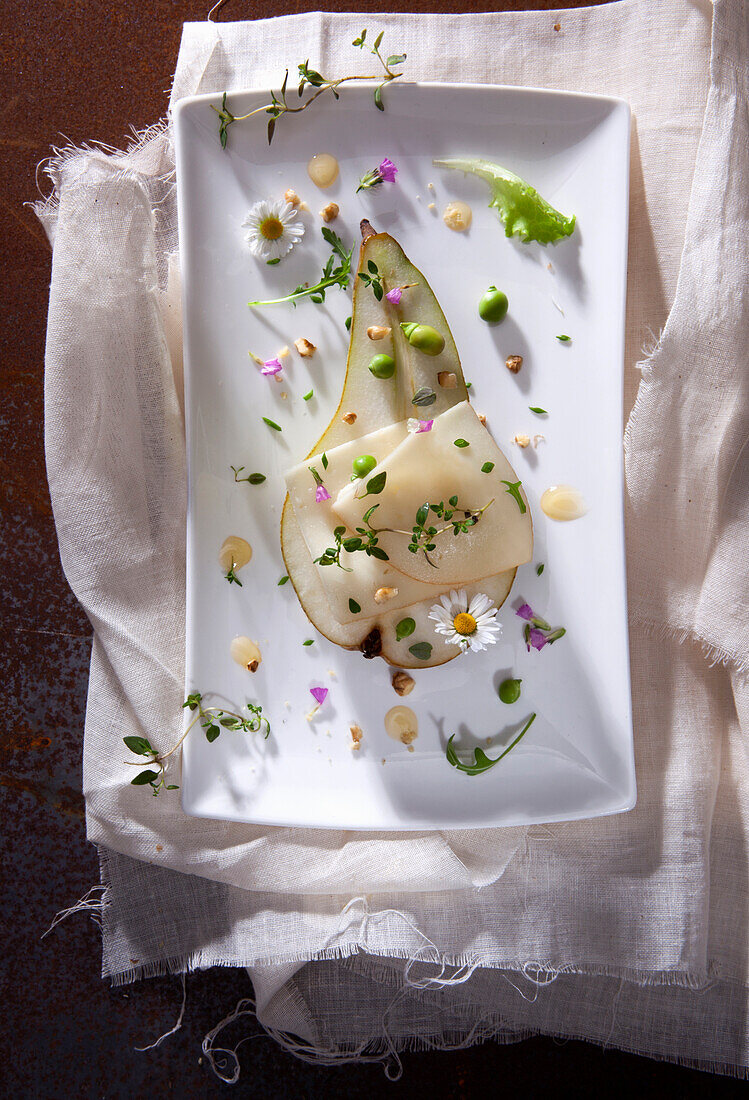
(212, 719)
(458, 519)
(332, 275)
(312, 79)
(366, 539)
(372, 278)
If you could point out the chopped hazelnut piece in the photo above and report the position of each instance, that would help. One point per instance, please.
(382, 595)
(284, 352)
(403, 684)
(482, 418)
(378, 332)
(538, 439)
(447, 380)
(305, 348)
(330, 212)
(356, 737)
(522, 440)
(557, 27)
(291, 197)
(349, 418)
(514, 363)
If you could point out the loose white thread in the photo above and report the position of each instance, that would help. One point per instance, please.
(177, 1026)
(89, 903)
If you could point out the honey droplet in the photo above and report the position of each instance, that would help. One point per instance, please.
(458, 216)
(235, 553)
(323, 169)
(402, 724)
(563, 502)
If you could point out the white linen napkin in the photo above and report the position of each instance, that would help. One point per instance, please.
(598, 929)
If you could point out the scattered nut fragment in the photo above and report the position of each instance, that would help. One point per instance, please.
(431, 206)
(408, 736)
(284, 352)
(482, 418)
(514, 363)
(348, 418)
(283, 395)
(403, 684)
(447, 380)
(246, 653)
(356, 737)
(522, 440)
(378, 332)
(557, 27)
(291, 197)
(382, 595)
(538, 439)
(330, 212)
(305, 348)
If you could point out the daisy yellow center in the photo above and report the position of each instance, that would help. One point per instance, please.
(464, 623)
(271, 229)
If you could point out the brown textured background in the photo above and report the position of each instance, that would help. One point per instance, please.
(77, 70)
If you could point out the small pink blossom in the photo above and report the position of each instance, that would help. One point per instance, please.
(394, 296)
(387, 170)
(414, 426)
(537, 639)
(321, 494)
(525, 612)
(271, 366)
(424, 426)
(319, 695)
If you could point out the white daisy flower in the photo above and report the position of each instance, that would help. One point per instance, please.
(273, 230)
(470, 625)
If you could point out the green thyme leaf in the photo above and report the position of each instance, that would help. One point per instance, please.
(536, 409)
(309, 641)
(272, 263)
(324, 461)
(461, 443)
(378, 98)
(481, 762)
(404, 629)
(539, 569)
(513, 488)
(375, 485)
(564, 339)
(272, 424)
(424, 397)
(395, 59)
(212, 732)
(487, 468)
(144, 777)
(347, 323)
(282, 580)
(354, 607)
(307, 396)
(421, 650)
(139, 745)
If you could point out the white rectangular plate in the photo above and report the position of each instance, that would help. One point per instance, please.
(577, 759)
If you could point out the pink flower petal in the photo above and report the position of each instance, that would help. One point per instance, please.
(271, 366)
(525, 612)
(395, 295)
(424, 426)
(537, 638)
(321, 494)
(319, 695)
(387, 170)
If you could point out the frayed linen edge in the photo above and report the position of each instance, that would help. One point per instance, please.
(53, 165)
(713, 654)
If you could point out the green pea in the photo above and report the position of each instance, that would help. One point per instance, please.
(382, 366)
(509, 691)
(423, 337)
(493, 305)
(363, 465)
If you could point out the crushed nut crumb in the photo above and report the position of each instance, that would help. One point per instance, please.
(408, 736)
(284, 353)
(538, 439)
(430, 186)
(330, 212)
(378, 332)
(403, 684)
(557, 27)
(431, 206)
(482, 418)
(522, 440)
(447, 380)
(514, 363)
(283, 395)
(305, 348)
(291, 197)
(382, 595)
(159, 847)
(348, 418)
(356, 737)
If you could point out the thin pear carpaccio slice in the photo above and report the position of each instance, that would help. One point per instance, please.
(313, 598)
(362, 575)
(429, 467)
(379, 402)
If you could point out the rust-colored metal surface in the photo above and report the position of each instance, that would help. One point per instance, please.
(76, 70)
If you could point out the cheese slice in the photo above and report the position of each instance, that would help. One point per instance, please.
(318, 520)
(429, 467)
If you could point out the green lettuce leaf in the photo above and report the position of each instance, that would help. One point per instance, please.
(524, 212)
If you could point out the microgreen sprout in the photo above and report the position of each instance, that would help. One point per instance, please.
(312, 79)
(212, 719)
(253, 479)
(332, 275)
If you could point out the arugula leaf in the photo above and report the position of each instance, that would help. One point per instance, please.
(332, 275)
(481, 762)
(525, 213)
(513, 488)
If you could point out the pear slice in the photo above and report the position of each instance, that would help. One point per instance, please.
(435, 466)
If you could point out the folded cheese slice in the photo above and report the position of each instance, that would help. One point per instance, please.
(431, 467)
